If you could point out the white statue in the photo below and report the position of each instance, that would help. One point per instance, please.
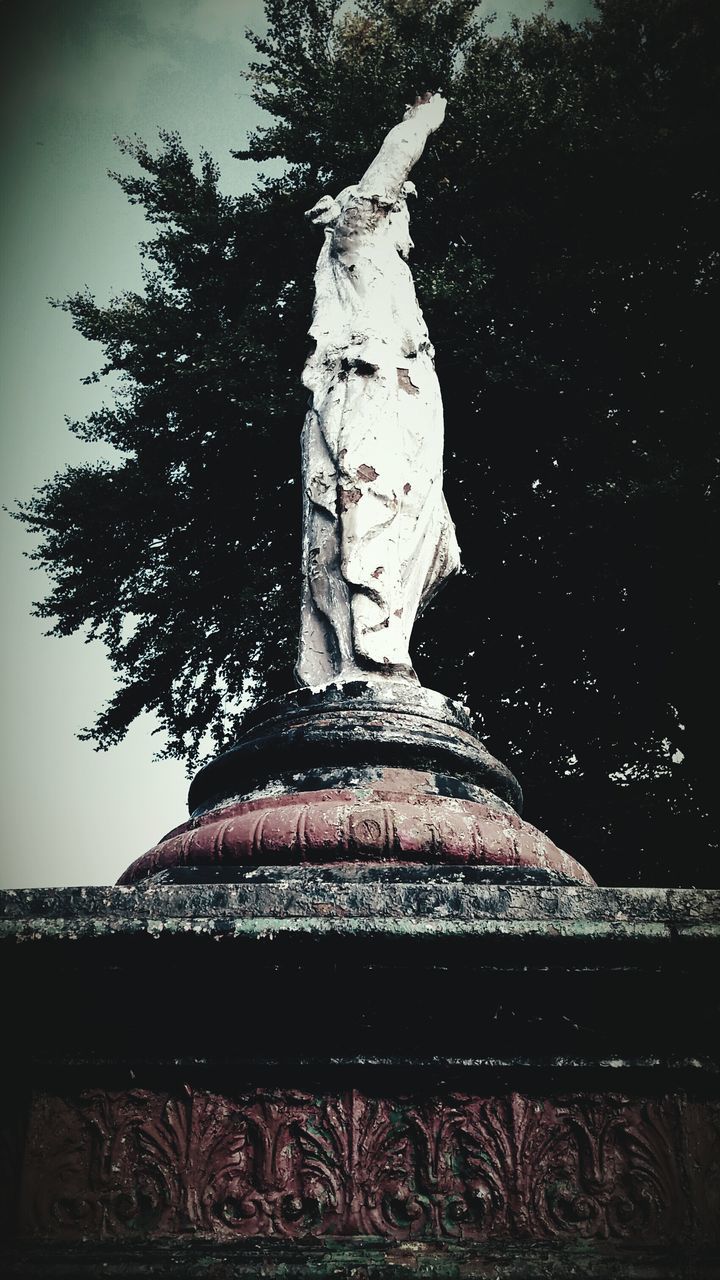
(378, 540)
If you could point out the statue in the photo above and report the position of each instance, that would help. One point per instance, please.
(364, 765)
(378, 541)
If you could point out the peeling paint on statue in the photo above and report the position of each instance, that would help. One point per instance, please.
(378, 540)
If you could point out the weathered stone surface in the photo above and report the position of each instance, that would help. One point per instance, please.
(367, 1259)
(425, 900)
(398, 817)
(342, 735)
(142, 1163)
(368, 967)
(361, 1071)
(374, 772)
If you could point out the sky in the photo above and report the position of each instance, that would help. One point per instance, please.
(76, 74)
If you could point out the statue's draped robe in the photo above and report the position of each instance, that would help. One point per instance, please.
(378, 540)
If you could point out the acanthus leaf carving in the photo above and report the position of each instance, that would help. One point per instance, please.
(285, 1163)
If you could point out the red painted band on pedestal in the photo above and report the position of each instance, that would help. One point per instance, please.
(342, 825)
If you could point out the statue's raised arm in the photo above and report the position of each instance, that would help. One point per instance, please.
(378, 541)
(402, 149)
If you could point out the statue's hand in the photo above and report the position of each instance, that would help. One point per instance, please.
(325, 211)
(430, 108)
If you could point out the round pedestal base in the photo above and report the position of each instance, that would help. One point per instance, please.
(399, 817)
(367, 773)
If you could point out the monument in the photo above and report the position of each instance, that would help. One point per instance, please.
(355, 1017)
(363, 762)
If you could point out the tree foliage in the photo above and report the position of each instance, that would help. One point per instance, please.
(567, 265)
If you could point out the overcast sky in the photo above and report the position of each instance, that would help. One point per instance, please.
(75, 74)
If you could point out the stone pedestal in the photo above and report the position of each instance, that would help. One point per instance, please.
(383, 772)
(361, 1071)
(356, 1018)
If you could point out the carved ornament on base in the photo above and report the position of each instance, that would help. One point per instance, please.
(285, 1163)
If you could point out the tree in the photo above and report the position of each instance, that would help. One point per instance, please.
(567, 266)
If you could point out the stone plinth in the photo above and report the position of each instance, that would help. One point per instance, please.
(354, 1071)
(383, 772)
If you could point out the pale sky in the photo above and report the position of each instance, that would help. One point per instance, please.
(75, 74)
